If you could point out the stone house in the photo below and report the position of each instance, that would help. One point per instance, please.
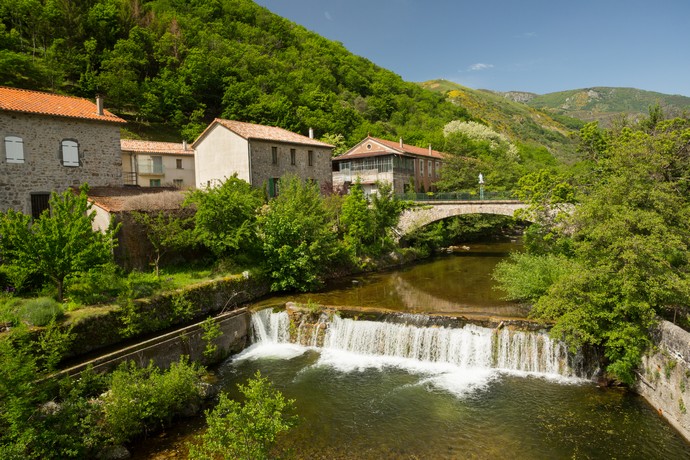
(156, 164)
(50, 143)
(406, 167)
(259, 155)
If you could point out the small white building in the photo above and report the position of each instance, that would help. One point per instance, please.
(260, 155)
(157, 164)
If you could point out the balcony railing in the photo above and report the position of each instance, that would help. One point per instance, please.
(151, 169)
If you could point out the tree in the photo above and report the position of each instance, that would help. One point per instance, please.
(630, 241)
(225, 219)
(61, 242)
(247, 430)
(356, 219)
(386, 208)
(297, 235)
(166, 231)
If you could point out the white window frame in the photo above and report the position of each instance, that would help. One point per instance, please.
(69, 153)
(14, 149)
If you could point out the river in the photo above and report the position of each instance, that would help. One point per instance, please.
(357, 403)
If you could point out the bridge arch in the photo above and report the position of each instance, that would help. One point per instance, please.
(419, 216)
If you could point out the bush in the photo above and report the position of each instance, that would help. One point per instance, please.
(144, 399)
(95, 286)
(249, 430)
(41, 311)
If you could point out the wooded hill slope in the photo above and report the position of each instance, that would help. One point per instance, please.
(604, 103)
(514, 119)
(178, 64)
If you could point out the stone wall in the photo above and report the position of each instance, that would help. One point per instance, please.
(168, 348)
(665, 376)
(42, 170)
(263, 169)
(107, 326)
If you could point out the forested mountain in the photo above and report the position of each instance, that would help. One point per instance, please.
(603, 103)
(177, 64)
(516, 120)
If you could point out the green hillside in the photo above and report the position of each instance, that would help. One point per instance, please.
(171, 66)
(605, 104)
(514, 119)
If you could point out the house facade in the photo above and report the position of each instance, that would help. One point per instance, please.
(157, 164)
(49, 143)
(373, 160)
(260, 155)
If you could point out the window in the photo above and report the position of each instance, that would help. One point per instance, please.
(154, 182)
(70, 153)
(438, 168)
(178, 183)
(274, 155)
(14, 149)
(421, 167)
(310, 157)
(178, 162)
(428, 168)
(39, 203)
(293, 157)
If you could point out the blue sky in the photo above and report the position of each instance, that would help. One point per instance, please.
(539, 46)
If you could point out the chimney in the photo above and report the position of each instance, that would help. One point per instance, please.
(429, 149)
(401, 143)
(99, 104)
(184, 145)
(311, 133)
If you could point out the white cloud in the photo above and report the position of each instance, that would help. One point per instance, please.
(328, 15)
(480, 66)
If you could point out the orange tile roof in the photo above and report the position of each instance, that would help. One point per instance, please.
(22, 100)
(405, 149)
(266, 133)
(172, 148)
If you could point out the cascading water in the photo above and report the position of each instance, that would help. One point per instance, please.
(469, 347)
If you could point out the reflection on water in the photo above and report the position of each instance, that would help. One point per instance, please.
(356, 406)
(458, 283)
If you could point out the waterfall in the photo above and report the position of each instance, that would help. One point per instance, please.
(467, 347)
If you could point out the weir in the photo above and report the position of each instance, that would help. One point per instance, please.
(466, 347)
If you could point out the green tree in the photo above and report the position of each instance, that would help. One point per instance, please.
(225, 219)
(386, 208)
(356, 220)
(61, 242)
(299, 242)
(630, 240)
(166, 231)
(248, 430)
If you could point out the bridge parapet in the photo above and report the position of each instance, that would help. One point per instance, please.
(428, 212)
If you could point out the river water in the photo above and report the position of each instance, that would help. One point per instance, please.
(391, 391)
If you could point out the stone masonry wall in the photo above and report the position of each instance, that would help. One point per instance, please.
(262, 167)
(42, 170)
(665, 376)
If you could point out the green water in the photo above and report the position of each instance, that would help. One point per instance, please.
(364, 407)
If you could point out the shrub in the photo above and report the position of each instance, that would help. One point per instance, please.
(40, 311)
(248, 430)
(144, 399)
(95, 286)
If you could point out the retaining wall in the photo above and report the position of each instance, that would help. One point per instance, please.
(665, 376)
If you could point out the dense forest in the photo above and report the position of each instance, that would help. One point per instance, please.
(175, 65)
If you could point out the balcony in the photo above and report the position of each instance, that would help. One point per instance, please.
(150, 168)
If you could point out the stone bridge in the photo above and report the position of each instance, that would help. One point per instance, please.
(428, 212)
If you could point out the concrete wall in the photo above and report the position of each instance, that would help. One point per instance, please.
(665, 376)
(42, 170)
(169, 348)
(219, 155)
(263, 169)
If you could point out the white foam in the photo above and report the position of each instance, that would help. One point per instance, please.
(268, 350)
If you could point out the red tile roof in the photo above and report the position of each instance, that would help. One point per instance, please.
(22, 100)
(172, 148)
(405, 149)
(265, 133)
